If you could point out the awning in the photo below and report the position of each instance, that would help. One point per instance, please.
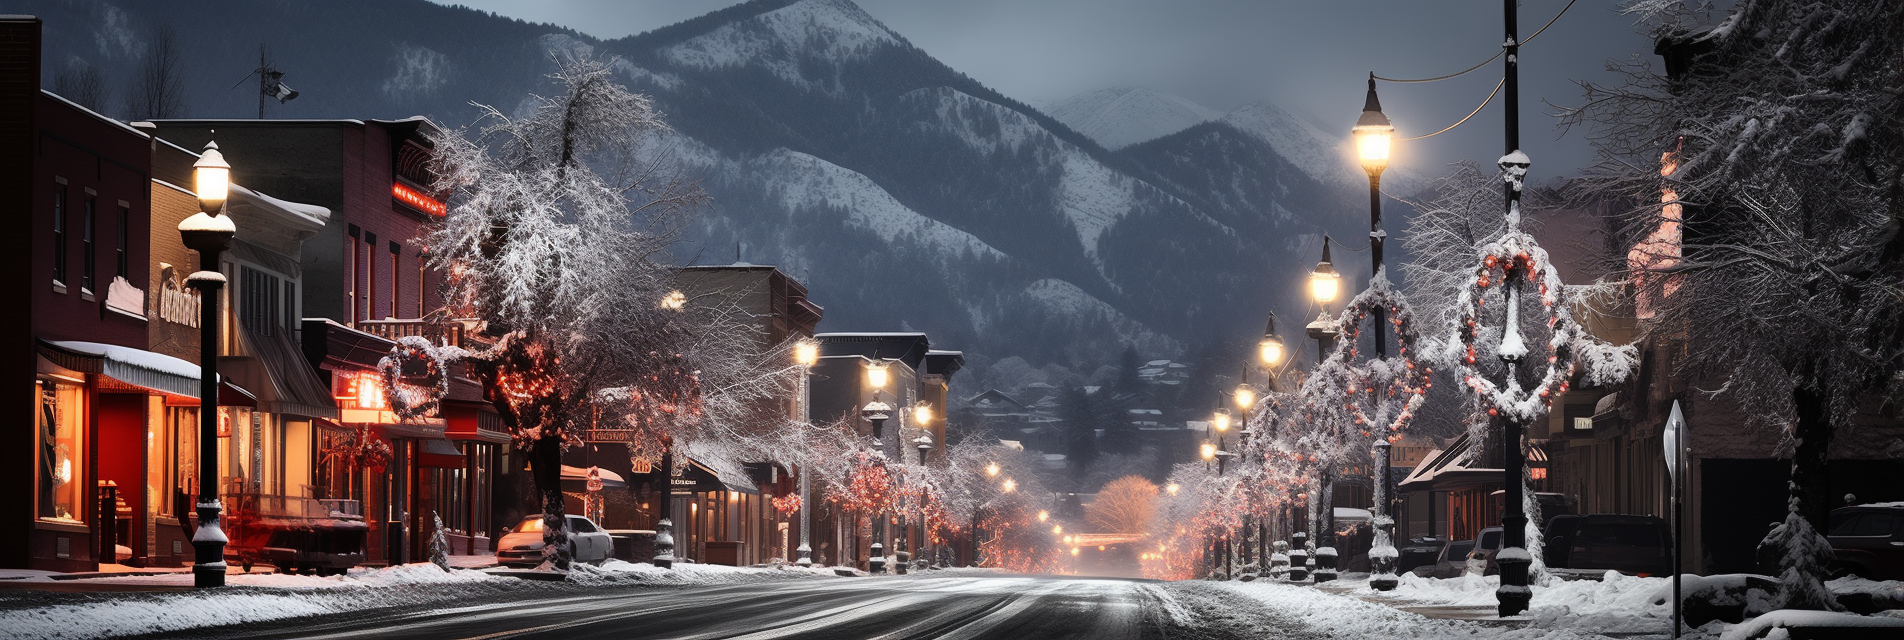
(285, 382)
(466, 422)
(439, 453)
(1446, 469)
(139, 368)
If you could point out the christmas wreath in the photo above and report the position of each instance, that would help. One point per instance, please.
(1377, 380)
(1513, 257)
(412, 403)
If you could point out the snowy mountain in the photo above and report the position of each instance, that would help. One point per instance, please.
(905, 194)
(1123, 116)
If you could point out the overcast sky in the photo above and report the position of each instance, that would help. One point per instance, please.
(1311, 57)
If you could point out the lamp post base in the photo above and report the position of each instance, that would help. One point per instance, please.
(806, 556)
(208, 548)
(877, 564)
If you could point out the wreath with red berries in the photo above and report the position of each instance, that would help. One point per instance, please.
(414, 403)
(1517, 254)
(1364, 390)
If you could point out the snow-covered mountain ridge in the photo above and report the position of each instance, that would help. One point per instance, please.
(902, 192)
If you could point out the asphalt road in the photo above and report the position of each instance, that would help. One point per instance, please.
(888, 608)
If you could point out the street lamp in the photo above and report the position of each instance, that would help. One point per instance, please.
(1270, 349)
(1043, 515)
(1010, 485)
(805, 354)
(924, 443)
(1324, 283)
(209, 232)
(1373, 134)
(991, 470)
(877, 412)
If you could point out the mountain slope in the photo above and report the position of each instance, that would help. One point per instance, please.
(904, 193)
(1122, 116)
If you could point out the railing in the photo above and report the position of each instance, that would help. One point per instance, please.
(435, 329)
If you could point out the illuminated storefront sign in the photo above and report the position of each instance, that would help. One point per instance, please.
(416, 200)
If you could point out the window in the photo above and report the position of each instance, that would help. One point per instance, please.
(370, 276)
(395, 250)
(125, 232)
(290, 308)
(356, 312)
(258, 300)
(62, 454)
(87, 267)
(59, 234)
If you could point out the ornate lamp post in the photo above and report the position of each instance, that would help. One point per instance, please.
(1373, 134)
(877, 412)
(209, 232)
(1270, 351)
(1324, 285)
(805, 353)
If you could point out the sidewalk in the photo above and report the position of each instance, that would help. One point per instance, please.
(122, 578)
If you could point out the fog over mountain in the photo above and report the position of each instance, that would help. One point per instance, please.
(905, 194)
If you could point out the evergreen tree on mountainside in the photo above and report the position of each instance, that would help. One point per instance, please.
(1128, 381)
(1081, 421)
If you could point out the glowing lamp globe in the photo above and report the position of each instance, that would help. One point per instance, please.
(1208, 452)
(1270, 350)
(1221, 420)
(1373, 134)
(1324, 283)
(876, 374)
(1044, 515)
(991, 470)
(806, 352)
(211, 179)
(922, 413)
(1245, 396)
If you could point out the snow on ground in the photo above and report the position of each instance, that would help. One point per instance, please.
(261, 597)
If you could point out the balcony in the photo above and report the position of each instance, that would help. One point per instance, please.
(436, 329)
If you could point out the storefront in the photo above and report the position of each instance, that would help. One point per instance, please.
(115, 455)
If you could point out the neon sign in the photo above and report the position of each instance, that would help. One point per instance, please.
(417, 200)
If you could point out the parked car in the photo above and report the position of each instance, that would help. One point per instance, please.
(1635, 545)
(1481, 557)
(1419, 552)
(1868, 541)
(1450, 563)
(522, 545)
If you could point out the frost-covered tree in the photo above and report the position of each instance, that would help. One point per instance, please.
(556, 240)
(1770, 153)
(1124, 505)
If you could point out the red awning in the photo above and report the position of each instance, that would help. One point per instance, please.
(438, 453)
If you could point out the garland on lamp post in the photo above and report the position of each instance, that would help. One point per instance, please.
(1376, 386)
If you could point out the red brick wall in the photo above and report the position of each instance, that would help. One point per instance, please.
(112, 161)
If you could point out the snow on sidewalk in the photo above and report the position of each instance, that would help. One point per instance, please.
(263, 597)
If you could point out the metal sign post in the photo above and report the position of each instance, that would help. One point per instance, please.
(1674, 439)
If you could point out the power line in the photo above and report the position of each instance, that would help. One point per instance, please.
(1497, 54)
(1484, 104)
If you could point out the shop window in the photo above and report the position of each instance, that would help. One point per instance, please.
(62, 440)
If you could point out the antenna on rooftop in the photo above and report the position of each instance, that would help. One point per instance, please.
(270, 81)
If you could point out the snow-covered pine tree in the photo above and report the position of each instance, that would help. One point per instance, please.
(1770, 152)
(439, 543)
(556, 239)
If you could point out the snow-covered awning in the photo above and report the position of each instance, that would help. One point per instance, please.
(138, 367)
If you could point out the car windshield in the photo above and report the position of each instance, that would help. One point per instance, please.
(529, 525)
(1459, 549)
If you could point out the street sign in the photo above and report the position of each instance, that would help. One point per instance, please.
(1674, 438)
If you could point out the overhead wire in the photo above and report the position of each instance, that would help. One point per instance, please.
(1497, 85)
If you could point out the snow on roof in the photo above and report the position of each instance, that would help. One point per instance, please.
(95, 114)
(310, 213)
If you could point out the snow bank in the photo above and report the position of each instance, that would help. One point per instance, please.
(620, 572)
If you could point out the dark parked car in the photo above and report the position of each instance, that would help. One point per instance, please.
(1450, 563)
(1868, 541)
(1481, 558)
(1635, 545)
(1419, 552)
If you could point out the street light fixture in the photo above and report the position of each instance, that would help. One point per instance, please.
(1245, 399)
(924, 443)
(805, 354)
(209, 232)
(1043, 515)
(1324, 283)
(991, 470)
(1010, 485)
(877, 374)
(1221, 420)
(1270, 349)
